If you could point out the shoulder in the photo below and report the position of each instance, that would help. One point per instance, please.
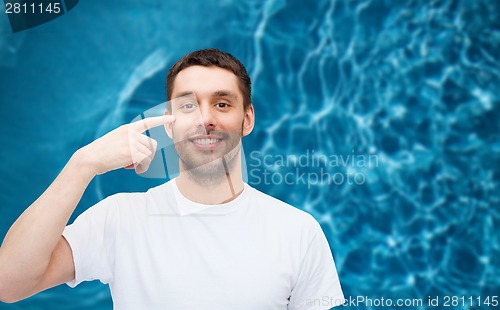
(134, 203)
(282, 211)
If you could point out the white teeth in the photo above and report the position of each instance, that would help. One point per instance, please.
(206, 141)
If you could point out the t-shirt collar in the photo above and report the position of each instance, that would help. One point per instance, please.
(172, 202)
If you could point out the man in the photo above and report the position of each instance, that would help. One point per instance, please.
(204, 240)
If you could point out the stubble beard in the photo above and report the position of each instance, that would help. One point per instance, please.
(210, 168)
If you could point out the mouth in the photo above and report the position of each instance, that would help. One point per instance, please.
(206, 142)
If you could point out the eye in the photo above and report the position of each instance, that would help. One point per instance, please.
(188, 106)
(222, 105)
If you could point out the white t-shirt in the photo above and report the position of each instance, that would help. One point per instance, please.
(159, 250)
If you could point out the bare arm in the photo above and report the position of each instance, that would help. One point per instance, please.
(26, 250)
(34, 256)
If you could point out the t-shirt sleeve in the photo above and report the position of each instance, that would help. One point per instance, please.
(92, 239)
(317, 286)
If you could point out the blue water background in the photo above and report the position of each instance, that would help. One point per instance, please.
(413, 84)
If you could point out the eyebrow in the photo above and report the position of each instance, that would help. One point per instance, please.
(185, 93)
(218, 93)
(225, 93)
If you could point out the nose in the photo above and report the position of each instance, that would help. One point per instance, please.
(207, 117)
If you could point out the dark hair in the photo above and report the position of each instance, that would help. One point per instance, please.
(208, 58)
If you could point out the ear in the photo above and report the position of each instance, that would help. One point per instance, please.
(249, 120)
(168, 127)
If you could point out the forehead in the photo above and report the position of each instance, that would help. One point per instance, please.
(205, 81)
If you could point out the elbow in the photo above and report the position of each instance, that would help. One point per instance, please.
(6, 298)
(2, 291)
(8, 301)
(5, 295)
(9, 293)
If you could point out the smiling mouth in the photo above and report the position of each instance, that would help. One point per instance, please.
(206, 141)
(209, 141)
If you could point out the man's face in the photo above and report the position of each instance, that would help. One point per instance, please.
(210, 128)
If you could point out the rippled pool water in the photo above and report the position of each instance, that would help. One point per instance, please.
(380, 118)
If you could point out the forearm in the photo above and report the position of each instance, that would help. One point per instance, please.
(27, 249)
(28, 245)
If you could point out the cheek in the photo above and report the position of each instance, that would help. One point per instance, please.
(232, 122)
(182, 123)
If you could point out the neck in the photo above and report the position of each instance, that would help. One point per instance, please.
(225, 190)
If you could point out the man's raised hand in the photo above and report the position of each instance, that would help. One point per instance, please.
(124, 147)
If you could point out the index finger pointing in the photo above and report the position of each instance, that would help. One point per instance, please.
(151, 122)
